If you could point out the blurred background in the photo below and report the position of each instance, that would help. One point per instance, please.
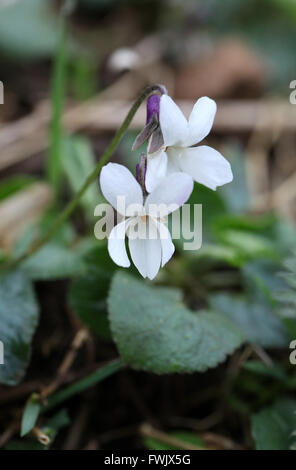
(69, 80)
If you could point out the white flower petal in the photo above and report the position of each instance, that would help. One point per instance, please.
(156, 169)
(116, 244)
(206, 166)
(167, 246)
(173, 124)
(173, 165)
(117, 181)
(146, 255)
(169, 195)
(200, 120)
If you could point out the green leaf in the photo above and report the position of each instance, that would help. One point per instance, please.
(53, 261)
(51, 427)
(274, 428)
(88, 293)
(30, 415)
(18, 320)
(155, 332)
(255, 318)
(78, 162)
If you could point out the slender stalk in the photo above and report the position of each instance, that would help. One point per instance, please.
(90, 179)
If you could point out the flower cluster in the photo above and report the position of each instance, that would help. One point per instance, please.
(164, 181)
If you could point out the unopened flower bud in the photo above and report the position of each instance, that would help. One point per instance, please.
(152, 130)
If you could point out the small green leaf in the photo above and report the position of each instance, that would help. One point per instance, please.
(273, 428)
(18, 320)
(155, 332)
(30, 415)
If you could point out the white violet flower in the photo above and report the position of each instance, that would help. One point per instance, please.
(149, 249)
(204, 164)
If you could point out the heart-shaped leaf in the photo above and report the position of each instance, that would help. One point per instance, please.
(154, 331)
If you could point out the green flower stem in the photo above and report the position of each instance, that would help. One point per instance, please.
(83, 384)
(103, 160)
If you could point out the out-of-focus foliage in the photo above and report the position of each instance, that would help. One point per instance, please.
(261, 24)
(254, 316)
(28, 29)
(53, 261)
(78, 162)
(274, 428)
(18, 319)
(287, 296)
(13, 184)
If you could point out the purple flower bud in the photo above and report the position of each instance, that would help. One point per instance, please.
(153, 104)
(152, 121)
